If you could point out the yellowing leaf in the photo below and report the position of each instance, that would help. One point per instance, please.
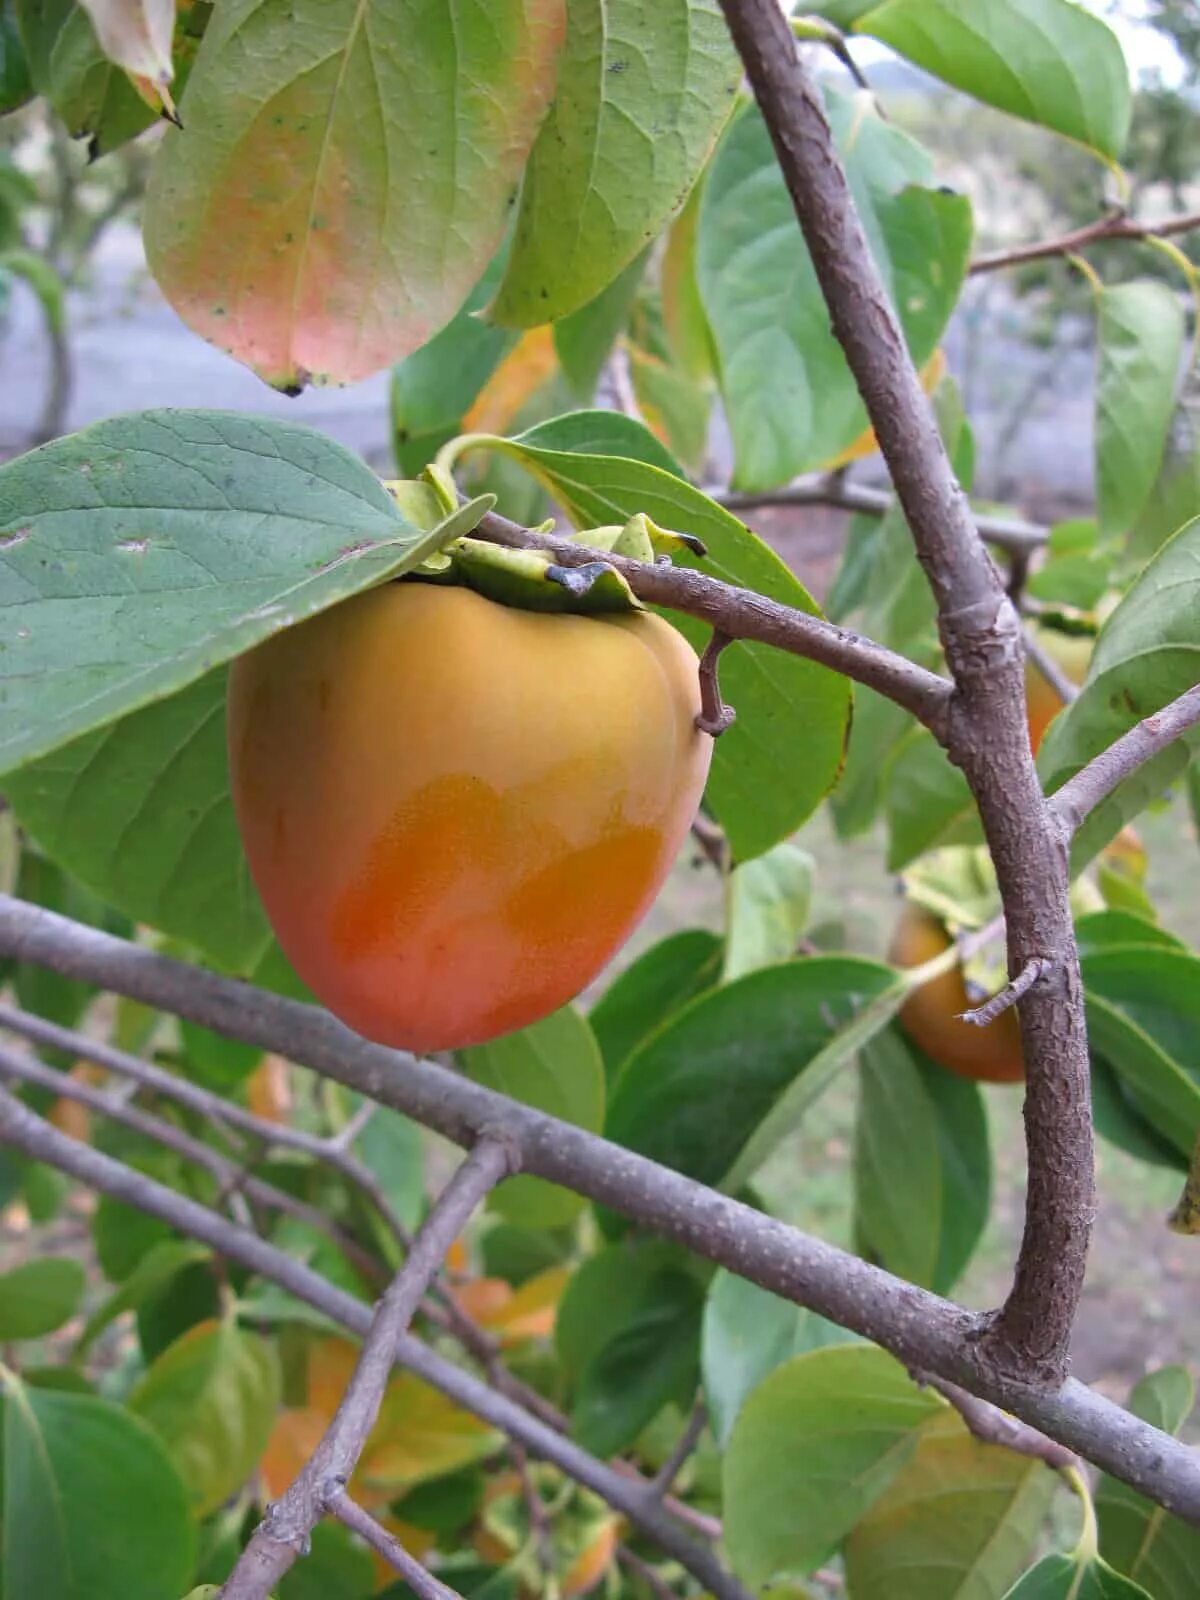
(867, 444)
(516, 1315)
(530, 364)
(420, 1434)
(135, 34)
(346, 174)
(294, 1437)
(269, 1090)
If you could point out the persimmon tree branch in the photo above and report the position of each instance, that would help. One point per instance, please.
(987, 735)
(285, 1531)
(22, 1129)
(418, 1578)
(1114, 226)
(235, 1181)
(1080, 795)
(1014, 534)
(923, 1330)
(990, 1425)
(742, 614)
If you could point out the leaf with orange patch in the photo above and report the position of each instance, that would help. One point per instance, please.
(346, 173)
(516, 1315)
(867, 444)
(269, 1090)
(294, 1437)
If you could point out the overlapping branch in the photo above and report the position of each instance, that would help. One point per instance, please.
(320, 1487)
(922, 1329)
(1114, 226)
(22, 1129)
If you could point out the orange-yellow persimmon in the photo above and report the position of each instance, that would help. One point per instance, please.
(456, 811)
(931, 1014)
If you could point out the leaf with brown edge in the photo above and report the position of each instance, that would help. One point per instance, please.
(345, 175)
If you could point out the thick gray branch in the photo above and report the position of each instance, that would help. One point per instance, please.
(284, 1534)
(923, 1330)
(1081, 794)
(21, 1129)
(988, 735)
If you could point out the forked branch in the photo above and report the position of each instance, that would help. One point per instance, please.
(921, 1329)
(284, 1533)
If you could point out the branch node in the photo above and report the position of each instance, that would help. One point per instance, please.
(714, 717)
(1036, 967)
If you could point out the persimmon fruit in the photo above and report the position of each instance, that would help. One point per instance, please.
(456, 811)
(931, 1016)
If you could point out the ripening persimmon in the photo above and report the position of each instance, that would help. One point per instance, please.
(931, 1016)
(457, 811)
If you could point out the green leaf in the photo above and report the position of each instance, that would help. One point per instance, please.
(1141, 333)
(603, 1295)
(792, 402)
(434, 387)
(1060, 1577)
(694, 1092)
(49, 994)
(336, 1568)
(556, 1066)
(958, 1523)
(604, 468)
(660, 982)
(1047, 61)
(878, 728)
(1075, 572)
(1156, 992)
(39, 1296)
(1100, 929)
(922, 1166)
(673, 404)
(218, 1063)
(393, 1147)
(94, 98)
(366, 186)
(1175, 497)
(142, 552)
(93, 1508)
(814, 1447)
(153, 1272)
(927, 799)
(161, 776)
(211, 1397)
(652, 1358)
(584, 340)
(16, 86)
(1137, 1537)
(1118, 1120)
(1148, 652)
(747, 1333)
(642, 94)
(768, 903)
(41, 277)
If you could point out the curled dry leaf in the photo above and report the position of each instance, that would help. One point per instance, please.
(135, 35)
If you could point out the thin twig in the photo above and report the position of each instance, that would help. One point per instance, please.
(1185, 1218)
(664, 1478)
(1080, 795)
(714, 716)
(742, 614)
(235, 1181)
(1115, 226)
(632, 1562)
(539, 1522)
(990, 1425)
(1009, 533)
(1035, 968)
(627, 1492)
(284, 1533)
(920, 1328)
(441, 1309)
(418, 1578)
